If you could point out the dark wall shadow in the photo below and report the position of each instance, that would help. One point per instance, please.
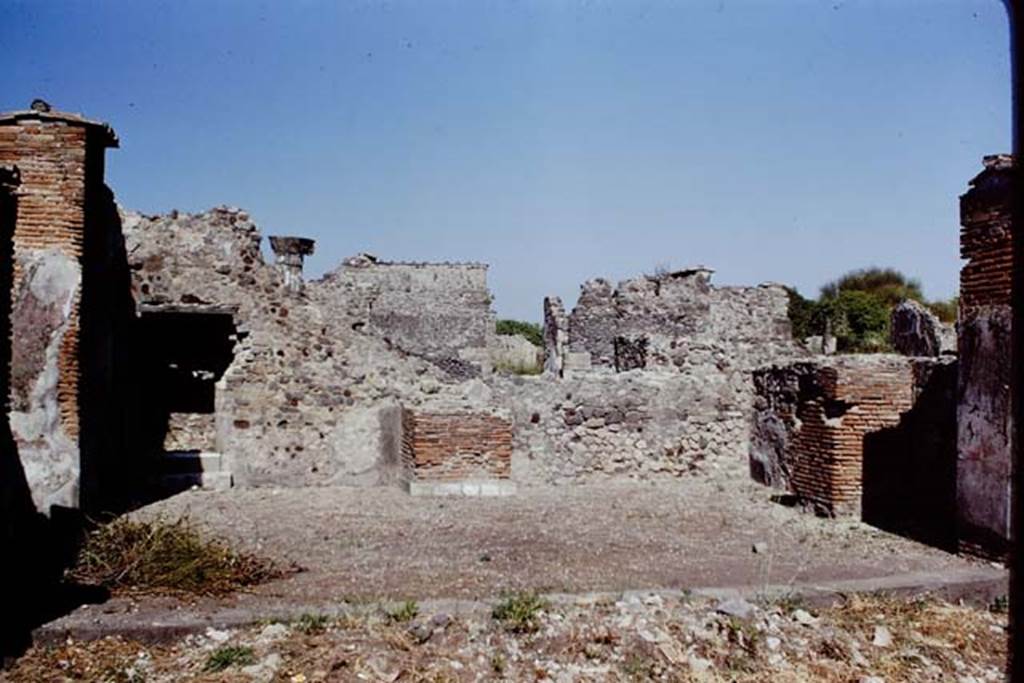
(910, 469)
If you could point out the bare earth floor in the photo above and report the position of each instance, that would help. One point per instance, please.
(369, 544)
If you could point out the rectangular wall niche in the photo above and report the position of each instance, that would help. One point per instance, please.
(456, 454)
(185, 353)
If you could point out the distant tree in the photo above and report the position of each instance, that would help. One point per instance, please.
(856, 308)
(886, 284)
(802, 315)
(945, 310)
(860, 322)
(532, 331)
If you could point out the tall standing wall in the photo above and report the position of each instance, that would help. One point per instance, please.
(984, 415)
(54, 358)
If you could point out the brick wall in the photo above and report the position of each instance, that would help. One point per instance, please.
(51, 214)
(60, 161)
(812, 418)
(984, 419)
(827, 462)
(456, 447)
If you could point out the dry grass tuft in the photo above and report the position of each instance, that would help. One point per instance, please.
(126, 555)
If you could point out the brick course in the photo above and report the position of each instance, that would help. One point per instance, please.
(456, 447)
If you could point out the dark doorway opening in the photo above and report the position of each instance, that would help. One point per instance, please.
(185, 353)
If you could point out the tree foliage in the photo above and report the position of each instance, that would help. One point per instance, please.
(885, 284)
(532, 331)
(856, 309)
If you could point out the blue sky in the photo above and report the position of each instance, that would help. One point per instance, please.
(787, 141)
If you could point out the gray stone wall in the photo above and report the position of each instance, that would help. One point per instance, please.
(434, 310)
(309, 394)
(678, 321)
(595, 425)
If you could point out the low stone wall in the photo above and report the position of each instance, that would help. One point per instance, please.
(596, 425)
(812, 419)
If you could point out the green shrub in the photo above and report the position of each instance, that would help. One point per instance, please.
(311, 624)
(407, 611)
(532, 331)
(802, 315)
(520, 612)
(226, 657)
(886, 285)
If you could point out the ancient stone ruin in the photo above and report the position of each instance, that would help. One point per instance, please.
(154, 353)
(920, 442)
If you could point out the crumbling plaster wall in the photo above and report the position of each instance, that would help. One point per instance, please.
(62, 319)
(308, 399)
(667, 390)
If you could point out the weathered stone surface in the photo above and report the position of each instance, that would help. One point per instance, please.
(595, 425)
(515, 353)
(556, 336)
(679, 320)
(916, 331)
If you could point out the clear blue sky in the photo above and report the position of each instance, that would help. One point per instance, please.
(557, 141)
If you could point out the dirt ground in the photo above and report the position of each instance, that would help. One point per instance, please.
(380, 543)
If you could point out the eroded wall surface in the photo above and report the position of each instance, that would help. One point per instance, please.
(984, 414)
(595, 425)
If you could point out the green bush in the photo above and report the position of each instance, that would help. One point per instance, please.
(886, 284)
(946, 311)
(532, 331)
(226, 657)
(520, 612)
(802, 314)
